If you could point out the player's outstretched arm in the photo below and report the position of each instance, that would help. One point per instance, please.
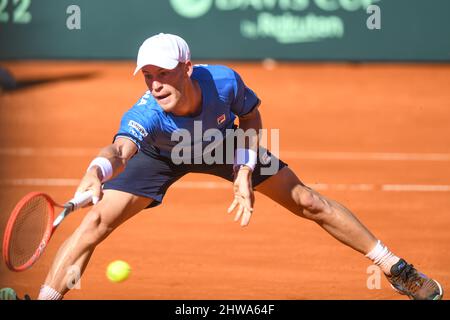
(110, 161)
(245, 163)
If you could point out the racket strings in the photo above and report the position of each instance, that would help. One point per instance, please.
(28, 230)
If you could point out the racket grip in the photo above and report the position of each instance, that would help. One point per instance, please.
(82, 199)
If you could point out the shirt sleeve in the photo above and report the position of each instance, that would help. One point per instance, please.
(245, 100)
(135, 127)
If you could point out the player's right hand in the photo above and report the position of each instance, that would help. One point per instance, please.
(91, 181)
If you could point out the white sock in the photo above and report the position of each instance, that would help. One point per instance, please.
(382, 257)
(48, 293)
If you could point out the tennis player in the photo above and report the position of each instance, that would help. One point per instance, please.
(144, 160)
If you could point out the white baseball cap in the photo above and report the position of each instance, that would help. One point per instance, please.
(163, 50)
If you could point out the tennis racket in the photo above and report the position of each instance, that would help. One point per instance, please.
(32, 224)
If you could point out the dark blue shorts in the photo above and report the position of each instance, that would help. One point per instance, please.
(150, 174)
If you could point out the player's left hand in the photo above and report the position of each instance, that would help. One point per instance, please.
(243, 195)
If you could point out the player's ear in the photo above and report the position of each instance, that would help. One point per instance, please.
(189, 68)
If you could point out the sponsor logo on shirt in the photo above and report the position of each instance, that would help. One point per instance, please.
(221, 119)
(138, 127)
(144, 98)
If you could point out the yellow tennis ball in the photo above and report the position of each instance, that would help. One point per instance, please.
(118, 271)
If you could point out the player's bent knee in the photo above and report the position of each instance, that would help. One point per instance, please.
(314, 205)
(93, 229)
(303, 197)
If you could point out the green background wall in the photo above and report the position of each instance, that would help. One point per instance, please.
(229, 29)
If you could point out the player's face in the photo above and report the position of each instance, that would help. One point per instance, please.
(166, 86)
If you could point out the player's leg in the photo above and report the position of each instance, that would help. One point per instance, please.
(274, 179)
(286, 189)
(142, 184)
(114, 209)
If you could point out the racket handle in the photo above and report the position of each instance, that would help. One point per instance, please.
(80, 200)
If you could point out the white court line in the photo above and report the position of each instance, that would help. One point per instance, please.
(380, 156)
(49, 152)
(41, 182)
(415, 187)
(306, 155)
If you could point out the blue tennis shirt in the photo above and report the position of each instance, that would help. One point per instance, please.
(224, 96)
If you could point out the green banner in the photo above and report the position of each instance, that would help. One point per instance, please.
(357, 30)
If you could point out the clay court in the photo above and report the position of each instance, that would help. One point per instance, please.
(375, 137)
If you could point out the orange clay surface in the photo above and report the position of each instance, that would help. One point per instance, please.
(332, 118)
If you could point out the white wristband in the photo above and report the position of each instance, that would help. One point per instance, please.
(246, 157)
(105, 166)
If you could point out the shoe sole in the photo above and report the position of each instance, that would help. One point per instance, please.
(439, 297)
(441, 291)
